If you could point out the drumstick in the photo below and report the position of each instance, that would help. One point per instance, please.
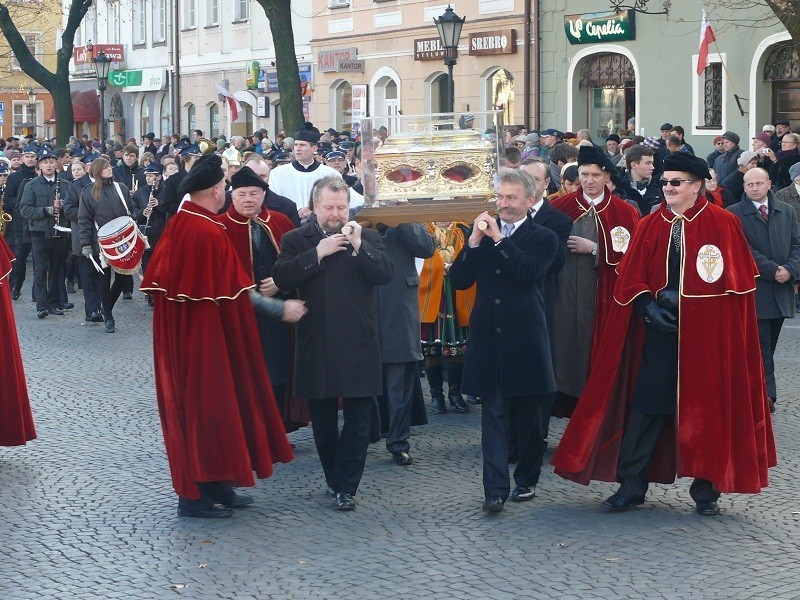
(482, 225)
(347, 229)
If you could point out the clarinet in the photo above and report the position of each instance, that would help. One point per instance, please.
(149, 200)
(57, 211)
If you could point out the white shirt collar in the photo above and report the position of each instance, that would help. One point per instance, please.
(516, 224)
(758, 205)
(535, 208)
(594, 201)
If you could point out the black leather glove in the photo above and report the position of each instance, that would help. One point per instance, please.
(668, 299)
(660, 318)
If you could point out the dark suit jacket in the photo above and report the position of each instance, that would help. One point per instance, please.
(560, 224)
(508, 349)
(774, 243)
(398, 300)
(338, 352)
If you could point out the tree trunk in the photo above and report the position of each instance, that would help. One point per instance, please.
(279, 14)
(56, 83)
(788, 11)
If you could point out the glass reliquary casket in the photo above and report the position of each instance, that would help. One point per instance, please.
(436, 167)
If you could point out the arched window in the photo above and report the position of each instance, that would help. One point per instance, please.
(341, 96)
(213, 119)
(165, 116)
(500, 94)
(610, 84)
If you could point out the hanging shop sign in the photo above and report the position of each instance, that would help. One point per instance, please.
(502, 41)
(593, 28)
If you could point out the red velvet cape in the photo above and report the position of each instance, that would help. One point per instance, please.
(237, 228)
(16, 421)
(218, 414)
(722, 431)
(610, 213)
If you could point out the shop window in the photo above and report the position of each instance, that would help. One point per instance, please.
(213, 119)
(342, 103)
(609, 80)
(191, 117)
(500, 93)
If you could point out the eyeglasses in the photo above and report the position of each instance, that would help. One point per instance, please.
(674, 182)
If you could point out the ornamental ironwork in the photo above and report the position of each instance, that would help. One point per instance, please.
(782, 64)
(712, 96)
(607, 71)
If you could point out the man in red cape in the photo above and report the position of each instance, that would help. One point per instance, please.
(217, 410)
(601, 231)
(16, 421)
(699, 405)
(256, 234)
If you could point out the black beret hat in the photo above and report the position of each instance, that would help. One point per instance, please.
(591, 155)
(246, 177)
(307, 133)
(782, 122)
(687, 163)
(613, 138)
(206, 173)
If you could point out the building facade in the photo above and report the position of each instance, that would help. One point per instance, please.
(387, 55)
(598, 69)
(39, 25)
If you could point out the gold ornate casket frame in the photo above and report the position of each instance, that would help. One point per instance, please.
(431, 168)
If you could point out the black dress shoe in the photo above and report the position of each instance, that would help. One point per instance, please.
(345, 502)
(493, 504)
(473, 399)
(127, 296)
(707, 509)
(67, 306)
(619, 503)
(110, 328)
(458, 403)
(771, 405)
(15, 294)
(56, 311)
(233, 499)
(214, 512)
(41, 314)
(523, 493)
(70, 288)
(438, 404)
(97, 317)
(402, 458)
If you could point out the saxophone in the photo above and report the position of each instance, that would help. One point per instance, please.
(5, 217)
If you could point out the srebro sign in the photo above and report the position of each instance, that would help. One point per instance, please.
(592, 28)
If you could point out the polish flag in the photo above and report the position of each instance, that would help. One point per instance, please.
(233, 103)
(706, 37)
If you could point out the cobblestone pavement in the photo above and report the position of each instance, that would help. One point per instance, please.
(87, 510)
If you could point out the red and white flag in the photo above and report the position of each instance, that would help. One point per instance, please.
(706, 37)
(233, 103)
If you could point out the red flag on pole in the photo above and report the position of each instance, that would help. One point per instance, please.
(706, 37)
(233, 103)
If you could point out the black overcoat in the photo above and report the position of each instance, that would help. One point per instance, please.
(508, 349)
(338, 353)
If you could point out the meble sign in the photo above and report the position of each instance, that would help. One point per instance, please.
(591, 28)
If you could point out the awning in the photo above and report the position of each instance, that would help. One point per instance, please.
(85, 107)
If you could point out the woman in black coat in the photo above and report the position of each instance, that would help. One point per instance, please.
(788, 155)
(101, 202)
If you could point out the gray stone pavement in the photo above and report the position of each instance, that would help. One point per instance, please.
(87, 510)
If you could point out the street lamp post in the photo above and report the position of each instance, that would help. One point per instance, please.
(32, 109)
(449, 26)
(102, 63)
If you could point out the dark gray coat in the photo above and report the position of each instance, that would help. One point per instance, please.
(37, 196)
(94, 214)
(338, 353)
(398, 301)
(508, 349)
(773, 244)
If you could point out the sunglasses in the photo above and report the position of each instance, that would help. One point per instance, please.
(674, 182)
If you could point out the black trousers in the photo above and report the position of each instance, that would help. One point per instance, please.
(49, 256)
(636, 453)
(768, 332)
(342, 455)
(90, 280)
(109, 292)
(531, 422)
(399, 379)
(21, 251)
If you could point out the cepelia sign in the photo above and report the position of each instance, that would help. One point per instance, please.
(593, 28)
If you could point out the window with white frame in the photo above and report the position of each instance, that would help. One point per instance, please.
(189, 14)
(242, 10)
(89, 25)
(708, 97)
(160, 21)
(139, 30)
(112, 23)
(212, 16)
(31, 40)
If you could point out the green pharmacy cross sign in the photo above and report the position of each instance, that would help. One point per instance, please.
(593, 28)
(125, 78)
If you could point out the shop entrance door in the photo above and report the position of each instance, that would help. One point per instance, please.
(786, 102)
(610, 84)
